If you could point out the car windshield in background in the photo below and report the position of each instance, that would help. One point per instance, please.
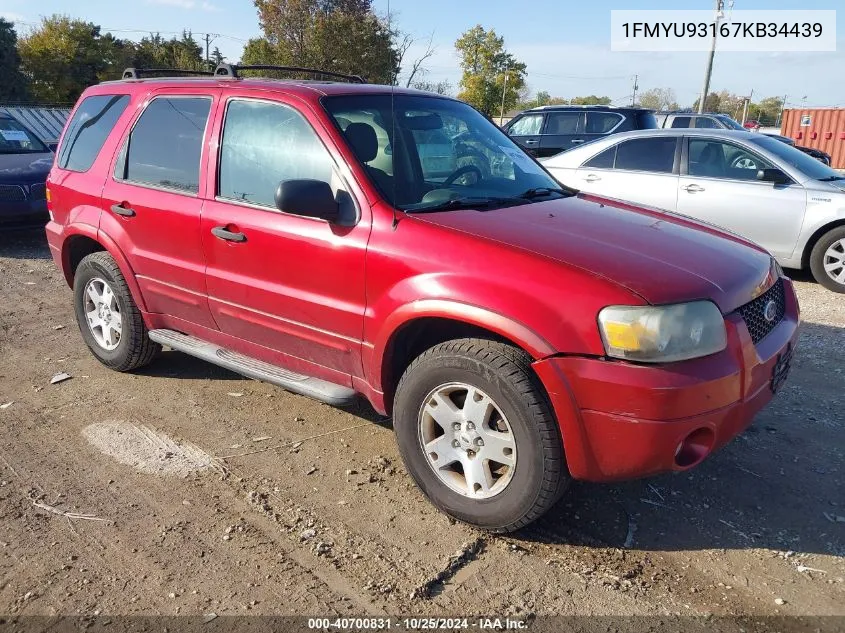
(807, 164)
(429, 153)
(729, 122)
(16, 139)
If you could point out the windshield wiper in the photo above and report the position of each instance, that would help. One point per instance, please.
(455, 204)
(542, 192)
(831, 178)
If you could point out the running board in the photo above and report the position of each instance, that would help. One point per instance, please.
(322, 390)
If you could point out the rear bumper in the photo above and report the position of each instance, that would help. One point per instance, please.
(621, 420)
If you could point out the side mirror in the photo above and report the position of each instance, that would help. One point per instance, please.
(775, 176)
(310, 198)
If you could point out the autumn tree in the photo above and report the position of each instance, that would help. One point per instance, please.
(13, 85)
(338, 35)
(491, 76)
(659, 99)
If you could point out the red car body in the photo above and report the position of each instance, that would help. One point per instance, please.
(537, 277)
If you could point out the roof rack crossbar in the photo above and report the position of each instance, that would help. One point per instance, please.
(231, 70)
(138, 73)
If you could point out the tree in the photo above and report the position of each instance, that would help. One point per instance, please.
(13, 87)
(590, 100)
(417, 68)
(711, 103)
(217, 57)
(339, 35)
(659, 99)
(61, 58)
(491, 76)
(441, 87)
(767, 110)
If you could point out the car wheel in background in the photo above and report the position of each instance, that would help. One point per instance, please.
(477, 434)
(107, 316)
(827, 260)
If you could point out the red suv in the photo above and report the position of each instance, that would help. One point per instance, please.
(520, 334)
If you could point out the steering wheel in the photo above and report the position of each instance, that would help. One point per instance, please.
(744, 161)
(462, 171)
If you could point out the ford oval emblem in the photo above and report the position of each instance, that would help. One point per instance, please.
(770, 312)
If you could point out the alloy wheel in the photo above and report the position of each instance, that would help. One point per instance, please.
(834, 261)
(102, 312)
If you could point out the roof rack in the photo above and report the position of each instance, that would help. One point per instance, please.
(231, 70)
(138, 73)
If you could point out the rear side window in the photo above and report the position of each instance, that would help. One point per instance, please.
(563, 123)
(602, 122)
(88, 130)
(656, 155)
(165, 146)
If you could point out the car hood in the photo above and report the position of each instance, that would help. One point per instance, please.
(25, 168)
(661, 257)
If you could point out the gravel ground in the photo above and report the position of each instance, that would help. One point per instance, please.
(184, 489)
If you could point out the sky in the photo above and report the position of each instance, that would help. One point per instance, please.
(565, 45)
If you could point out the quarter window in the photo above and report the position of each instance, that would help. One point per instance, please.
(527, 126)
(655, 155)
(88, 130)
(264, 144)
(165, 146)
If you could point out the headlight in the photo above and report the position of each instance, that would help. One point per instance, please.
(662, 334)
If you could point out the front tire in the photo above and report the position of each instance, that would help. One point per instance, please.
(477, 434)
(107, 316)
(827, 260)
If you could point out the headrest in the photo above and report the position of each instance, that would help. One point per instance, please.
(362, 138)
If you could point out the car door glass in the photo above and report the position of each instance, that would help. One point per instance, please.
(88, 130)
(681, 121)
(716, 159)
(656, 155)
(264, 144)
(706, 122)
(604, 160)
(563, 123)
(602, 122)
(165, 146)
(528, 125)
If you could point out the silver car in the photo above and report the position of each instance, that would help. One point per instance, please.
(753, 185)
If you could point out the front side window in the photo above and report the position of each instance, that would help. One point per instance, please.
(604, 160)
(706, 122)
(529, 125)
(88, 130)
(264, 144)
(715, 159)
(656, 155)
(681, 121)
(427, 153)
(563, 123)
(165, 146)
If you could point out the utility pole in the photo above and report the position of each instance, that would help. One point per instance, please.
(718, 8)
(634, 97)
(504, 91)
(207, 44)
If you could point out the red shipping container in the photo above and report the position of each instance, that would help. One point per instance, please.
(820, 128)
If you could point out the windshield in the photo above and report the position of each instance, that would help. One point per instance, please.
(16, 139)
(729, 122)
(429, 153)
(813, 168)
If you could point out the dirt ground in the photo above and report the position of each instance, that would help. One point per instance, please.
(311, 511)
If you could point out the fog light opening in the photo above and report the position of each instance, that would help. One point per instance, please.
(694, 448)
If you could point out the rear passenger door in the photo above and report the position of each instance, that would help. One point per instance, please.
(563, 131)
(152, 204)
(526, 132)
(641, 170)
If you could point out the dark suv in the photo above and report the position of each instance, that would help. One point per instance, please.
(549, 130)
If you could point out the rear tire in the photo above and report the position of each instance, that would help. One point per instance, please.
(108, 318)
(492, 384)
(827, 260)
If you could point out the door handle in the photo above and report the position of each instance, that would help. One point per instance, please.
(693, 188)
(126, 212)
(531, 142)
(230, 236)
(577, 141)
(591, 178)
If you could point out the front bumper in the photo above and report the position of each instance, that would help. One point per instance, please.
(623, 420)
(24, 213)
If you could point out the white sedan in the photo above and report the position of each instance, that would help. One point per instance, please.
(753, 185)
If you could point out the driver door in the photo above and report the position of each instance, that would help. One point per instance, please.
(718, 184)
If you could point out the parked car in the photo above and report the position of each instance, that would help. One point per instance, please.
(709, 120)
(24, 164)
(810, 151)
(751, 124)
(746, 182)
(521, 335)
(548, 130)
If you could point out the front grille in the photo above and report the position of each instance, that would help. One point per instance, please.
(12, 193)
(38, 192)
(754, 312)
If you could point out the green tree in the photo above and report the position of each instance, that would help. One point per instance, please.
(13, 87)
(337, 35)
(491, 75)
(183, 52)
(711, 103)
(659, 99)
(61, 58)
(590, 100)
(766, 111)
